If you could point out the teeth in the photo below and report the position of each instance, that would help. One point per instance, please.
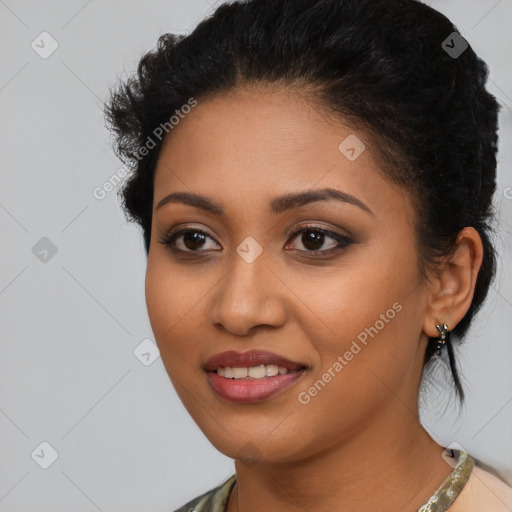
(254, 372)
(239, 373)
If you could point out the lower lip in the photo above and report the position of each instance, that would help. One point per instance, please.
(252, 390)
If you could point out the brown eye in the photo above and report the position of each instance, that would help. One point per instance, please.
(192, 240)
(314, 238)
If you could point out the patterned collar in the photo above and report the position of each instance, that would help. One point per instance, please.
(452, 485)
(440, 501)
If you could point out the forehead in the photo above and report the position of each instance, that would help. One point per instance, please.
(254, 143)
(284, 122)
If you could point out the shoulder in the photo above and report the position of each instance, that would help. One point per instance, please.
(483, 491)
(214, 500)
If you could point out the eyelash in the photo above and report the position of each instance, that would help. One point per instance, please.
(343, 241)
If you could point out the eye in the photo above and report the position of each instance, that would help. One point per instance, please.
(314, 238)
(188, 240)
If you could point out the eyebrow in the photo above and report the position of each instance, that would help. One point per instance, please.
(278, 205)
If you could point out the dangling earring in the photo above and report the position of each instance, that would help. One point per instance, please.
(443, 330)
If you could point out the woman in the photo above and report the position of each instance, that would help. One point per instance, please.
(314, 182)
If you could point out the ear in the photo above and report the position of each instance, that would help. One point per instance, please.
(453, 286)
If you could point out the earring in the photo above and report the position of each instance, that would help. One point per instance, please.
(443, 330)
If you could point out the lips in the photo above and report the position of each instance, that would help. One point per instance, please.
(233, 359)
(251, 390)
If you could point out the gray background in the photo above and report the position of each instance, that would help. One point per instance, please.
(70, 324)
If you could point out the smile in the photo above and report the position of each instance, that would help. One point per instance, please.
(247, 389)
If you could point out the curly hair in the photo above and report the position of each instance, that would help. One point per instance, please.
(381, 65)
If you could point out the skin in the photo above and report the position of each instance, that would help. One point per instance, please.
(362, 430)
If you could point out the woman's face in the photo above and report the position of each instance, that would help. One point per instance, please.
(348, 305)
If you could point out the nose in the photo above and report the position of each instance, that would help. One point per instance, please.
(249, 295)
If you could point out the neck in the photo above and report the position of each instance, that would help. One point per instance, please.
(393, 465)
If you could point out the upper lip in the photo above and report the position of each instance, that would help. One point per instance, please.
(231, 359)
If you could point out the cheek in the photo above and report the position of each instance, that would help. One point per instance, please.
(371, 364)
(373, 310)
(170, 303)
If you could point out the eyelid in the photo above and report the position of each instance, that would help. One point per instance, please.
(185, 227)
(312, 224)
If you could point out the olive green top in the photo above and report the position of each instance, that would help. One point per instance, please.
(216, 500)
